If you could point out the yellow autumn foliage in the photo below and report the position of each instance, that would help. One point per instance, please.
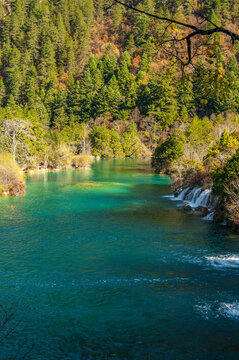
(11, 177)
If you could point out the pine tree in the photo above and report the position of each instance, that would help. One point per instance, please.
(117, 17)
(123, 74)
(31, 87)
(82, 39)
(47, 67)
(185, 98)
(162, 98)
(108, 100)
(141, 24)
(232, 78)
(107, 66)
(58, 110)
(2, 92)
(81, 98)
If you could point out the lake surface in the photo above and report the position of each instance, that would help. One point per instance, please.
(101, 265)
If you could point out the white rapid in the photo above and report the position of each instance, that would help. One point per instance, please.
(183, 193)
(210, 216)
(196, 197)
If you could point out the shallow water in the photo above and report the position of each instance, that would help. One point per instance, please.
(101, 264)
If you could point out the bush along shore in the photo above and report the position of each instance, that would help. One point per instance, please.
(205, 178)
(11, 177)
(12, 182)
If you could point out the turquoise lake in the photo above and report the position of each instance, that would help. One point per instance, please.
(100, 264)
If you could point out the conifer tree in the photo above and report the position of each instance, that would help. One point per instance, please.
(107, 66)
(161, 98)
(2, 92)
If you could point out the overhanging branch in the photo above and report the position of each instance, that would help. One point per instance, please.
(188, 38)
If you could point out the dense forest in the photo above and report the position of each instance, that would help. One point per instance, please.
(84, 77)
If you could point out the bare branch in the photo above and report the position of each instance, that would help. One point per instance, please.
(197, 31)
(155, 16)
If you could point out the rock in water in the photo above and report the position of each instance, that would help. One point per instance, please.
(201, 211)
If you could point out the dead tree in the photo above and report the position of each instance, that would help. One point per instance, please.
(14, 130)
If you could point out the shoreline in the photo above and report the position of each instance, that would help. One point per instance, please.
(202, 202)
(47, 170)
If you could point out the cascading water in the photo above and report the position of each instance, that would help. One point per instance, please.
(193, 196)
(210, 216)
(196, 197)
(202, 199)
(182, 194)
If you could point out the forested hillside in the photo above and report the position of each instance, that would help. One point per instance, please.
(84, 76)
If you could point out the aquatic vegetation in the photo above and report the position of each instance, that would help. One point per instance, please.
(88, 185)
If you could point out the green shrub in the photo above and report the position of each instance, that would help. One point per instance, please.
(166, 153)
(221, 150)
(223, 176)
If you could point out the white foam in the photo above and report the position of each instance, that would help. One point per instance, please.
(230, 310)
(192, 260)
(215, 310)
(209, 217)
(182, 194)
(198, 197)
(171, 197)
(204, 310)
(228, 261)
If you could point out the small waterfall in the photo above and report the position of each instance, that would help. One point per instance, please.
(214, 200)
(182, 194)
(202, 199)
(210, 216)
(194, 195)
(198, 197)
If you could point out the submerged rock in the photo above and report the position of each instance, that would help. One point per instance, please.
(187, 208)
(88, 185)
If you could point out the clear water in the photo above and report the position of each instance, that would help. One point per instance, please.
(102, 265)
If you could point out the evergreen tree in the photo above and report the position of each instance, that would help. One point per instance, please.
(232, 79)
(161, 98)
(2, 92)
(185, 98)
(107, 66)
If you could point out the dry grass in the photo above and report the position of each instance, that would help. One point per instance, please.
(81, 161)
(11, 178)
